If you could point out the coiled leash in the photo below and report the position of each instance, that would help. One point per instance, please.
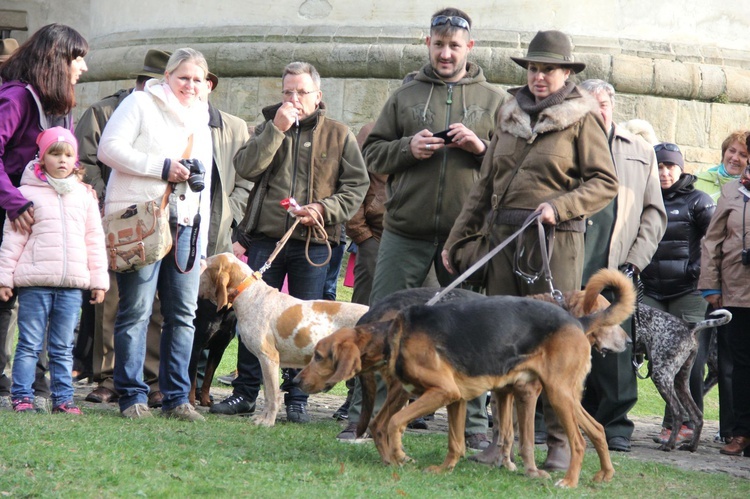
(534, 217)
(320, 233)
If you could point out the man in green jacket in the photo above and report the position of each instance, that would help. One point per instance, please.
(315, 160)
(428, 176)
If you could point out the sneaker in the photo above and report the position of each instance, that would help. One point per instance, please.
(185, 412)
(233, 405)
(342, 413)
(42, 404)
(417, 424)
(349, 435)
(227, 379)
(297, 413)
(24, 404)
(68, 408)
(5, 403)
(137, 411)
(477, 441)
(684, 434)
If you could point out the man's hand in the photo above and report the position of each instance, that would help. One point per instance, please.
(447, 262)
(6, 293)
(285, 117)
(24, 221)
(423, 145)
(238, 250)
(464, 138)
(97, 296)
(309, 213)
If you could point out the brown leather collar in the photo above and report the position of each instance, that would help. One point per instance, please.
(246, 282)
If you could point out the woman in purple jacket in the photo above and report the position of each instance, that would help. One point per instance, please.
(37, 93)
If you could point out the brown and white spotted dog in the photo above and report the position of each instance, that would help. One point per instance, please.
(277, 328)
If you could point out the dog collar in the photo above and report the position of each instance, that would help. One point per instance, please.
(246, 282)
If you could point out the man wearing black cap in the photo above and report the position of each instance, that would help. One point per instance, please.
(100, 324)
(624, 235)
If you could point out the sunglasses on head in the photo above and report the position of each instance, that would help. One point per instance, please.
(667, 146)
(456, 21)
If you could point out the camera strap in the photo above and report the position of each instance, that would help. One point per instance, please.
(196, 224)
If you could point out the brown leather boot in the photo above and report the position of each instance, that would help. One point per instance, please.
(736, 446)
(558, 453)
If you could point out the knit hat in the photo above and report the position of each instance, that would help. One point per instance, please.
(667, 152)
(54, 135)
(552, 47)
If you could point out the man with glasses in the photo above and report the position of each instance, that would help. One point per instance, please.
(316, 161)
(624, 235)
(428, 176)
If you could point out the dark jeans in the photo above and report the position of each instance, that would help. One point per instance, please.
(305, 282)
(739, 340)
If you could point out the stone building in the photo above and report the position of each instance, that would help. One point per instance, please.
(682, 65)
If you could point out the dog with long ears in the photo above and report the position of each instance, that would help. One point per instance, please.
(671, 347)
(277, 328)
(363, 349)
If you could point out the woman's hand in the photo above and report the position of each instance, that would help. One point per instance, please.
(24, 221)
(447, 262)
(714, 300)
(6, 293)
(177, 172)
(547, 214)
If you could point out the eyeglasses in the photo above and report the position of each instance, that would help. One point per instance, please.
(456, 21)
(667, 146)
(297, 93)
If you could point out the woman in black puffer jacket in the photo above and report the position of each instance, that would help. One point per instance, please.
(670, 280)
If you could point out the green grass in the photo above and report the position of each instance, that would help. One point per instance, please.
(103, 455)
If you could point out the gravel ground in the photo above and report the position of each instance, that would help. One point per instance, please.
(706, 458)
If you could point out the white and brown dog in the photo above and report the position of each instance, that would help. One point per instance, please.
(277, 328)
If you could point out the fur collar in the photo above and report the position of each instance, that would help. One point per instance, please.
(515, 121)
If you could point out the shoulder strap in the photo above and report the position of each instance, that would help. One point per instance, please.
(43, 123)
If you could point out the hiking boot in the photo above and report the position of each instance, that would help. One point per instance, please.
(342, 413)
(184, 412)
(417, 424)
(42, 404)
(683, 435)
(233, 405)
(297, 413)
(5, 403)
(137, 411)
(102, 395)
(24, 404)
(477, 441)
(155, 399)
(68, 408)
(349, 435)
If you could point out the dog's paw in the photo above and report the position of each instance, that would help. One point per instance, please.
(537, 473)
(436, 470)
(604, 476)
(264, 419)
(564, 483)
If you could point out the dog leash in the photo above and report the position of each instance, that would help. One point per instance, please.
(320, 233)
(534, 217)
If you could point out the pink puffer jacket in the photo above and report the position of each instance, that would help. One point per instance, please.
(66, 246)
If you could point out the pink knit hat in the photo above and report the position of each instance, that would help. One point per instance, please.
(53, 135)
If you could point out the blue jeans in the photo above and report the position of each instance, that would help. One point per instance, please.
(179, 299)
(53, 312)
(305, 282)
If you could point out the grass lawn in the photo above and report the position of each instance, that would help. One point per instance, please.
(103, 455)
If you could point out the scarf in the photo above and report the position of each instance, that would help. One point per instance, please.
(527, 101)
(722, 171)
(62, 186)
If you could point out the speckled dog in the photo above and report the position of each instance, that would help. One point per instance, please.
(671, 347)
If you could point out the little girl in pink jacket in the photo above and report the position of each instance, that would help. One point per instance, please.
(64, 254)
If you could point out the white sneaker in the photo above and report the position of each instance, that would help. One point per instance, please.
(137, 411)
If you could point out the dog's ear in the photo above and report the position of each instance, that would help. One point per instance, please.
(347, 361)
(222, 295)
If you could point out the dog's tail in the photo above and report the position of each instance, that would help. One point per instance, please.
(721, 315)
(620, 309)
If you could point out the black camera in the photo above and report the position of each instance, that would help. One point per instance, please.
(196, 180)
(745, 257)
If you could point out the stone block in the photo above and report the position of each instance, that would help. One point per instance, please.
(496, 38)
(597, 66)
(738, 84)
(713, 82)
(385, 61)
(363, 101)
(692, 123)
(350, 60)
(632, 74)
(676, 79)
(334, 97)
(725, 119)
